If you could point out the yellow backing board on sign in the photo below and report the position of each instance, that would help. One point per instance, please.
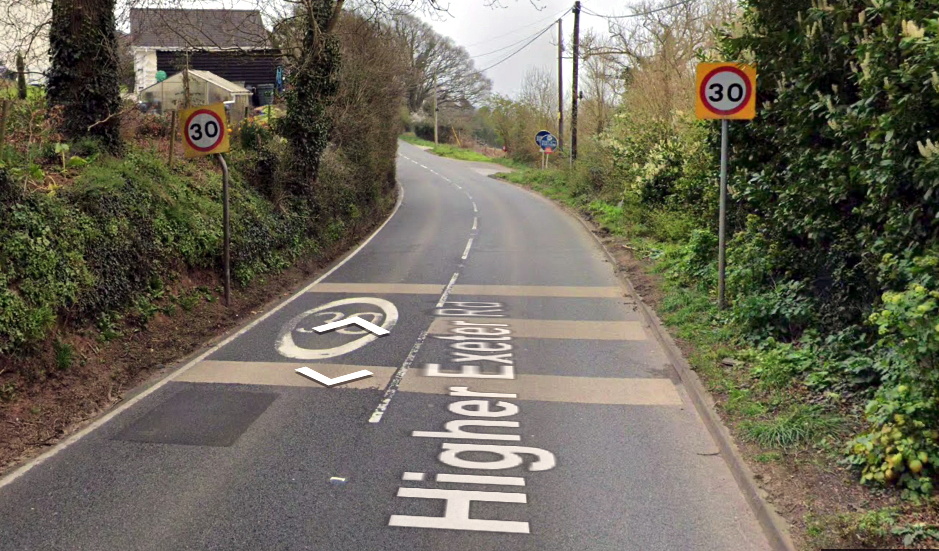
(204, 130)
(725, 91)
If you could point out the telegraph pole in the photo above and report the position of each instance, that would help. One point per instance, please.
(574, 83)
(560, 87)
(435, 111)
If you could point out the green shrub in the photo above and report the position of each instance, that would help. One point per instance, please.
(696, 264)
(254, 135)
(782, 312)
(902, 444)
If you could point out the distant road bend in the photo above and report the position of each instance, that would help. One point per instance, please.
(518, 403)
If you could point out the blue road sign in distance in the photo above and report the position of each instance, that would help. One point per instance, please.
(545, 140)
(540, 136)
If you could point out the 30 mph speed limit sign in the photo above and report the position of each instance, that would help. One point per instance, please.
(204, 130)
(725, 91)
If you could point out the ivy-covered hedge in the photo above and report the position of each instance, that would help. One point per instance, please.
(123, 227)
(128, 225)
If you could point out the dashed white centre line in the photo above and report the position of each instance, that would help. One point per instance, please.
(467, 249)
(446, 291)
(396, 379)
(395, 382)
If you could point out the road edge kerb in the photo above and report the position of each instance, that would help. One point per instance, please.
(165, 375)
(774, 526)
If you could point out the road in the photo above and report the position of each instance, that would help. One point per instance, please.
(517, 403)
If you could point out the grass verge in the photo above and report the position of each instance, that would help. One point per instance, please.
(461, 153)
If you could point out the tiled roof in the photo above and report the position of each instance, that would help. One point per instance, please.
(166, 28)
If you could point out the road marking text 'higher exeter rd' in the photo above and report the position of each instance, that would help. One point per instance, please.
(479, 341)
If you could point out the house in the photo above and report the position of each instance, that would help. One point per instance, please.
(233, 44)
(24, 28)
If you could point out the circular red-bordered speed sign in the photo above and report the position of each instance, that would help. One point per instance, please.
(725, 91)
(204, 130)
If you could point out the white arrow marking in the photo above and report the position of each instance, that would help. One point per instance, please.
(354, 320)
(326, 381)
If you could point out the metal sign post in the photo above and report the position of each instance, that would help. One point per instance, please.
(725, 91)
(226, 231)
(205, 133)
(722, 225)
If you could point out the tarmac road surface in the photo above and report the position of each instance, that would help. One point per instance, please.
(518, 403)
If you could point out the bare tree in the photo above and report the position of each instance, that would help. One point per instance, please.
(434, 59)
(603, 84)
(539, 93)
(657, 50)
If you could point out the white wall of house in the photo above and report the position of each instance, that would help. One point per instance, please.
(24, 27)
(145, 67)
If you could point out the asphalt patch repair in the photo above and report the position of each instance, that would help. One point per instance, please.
(199, 417)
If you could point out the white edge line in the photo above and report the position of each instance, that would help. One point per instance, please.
(465, 252)
(446, 291)
(17, 473)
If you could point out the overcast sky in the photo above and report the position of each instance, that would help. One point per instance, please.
(481, 29)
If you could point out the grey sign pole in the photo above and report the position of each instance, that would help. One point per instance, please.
(722, 231)
(226, 230)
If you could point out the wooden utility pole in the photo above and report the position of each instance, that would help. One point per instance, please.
(435, 112)
(574, 81)
(560, 86)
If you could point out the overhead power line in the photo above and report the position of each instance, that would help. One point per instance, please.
(538, 33)
(513, 54)
(539, 22)
(640, 14)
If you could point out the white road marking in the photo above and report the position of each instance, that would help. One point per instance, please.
(475, 208)
(446, 291)
(456, 514)
(8, 479)
(475, 222)
(354, 320)
(396, 380)
(480, 479)
(286, 345)
(465, 254)
(326, 381)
